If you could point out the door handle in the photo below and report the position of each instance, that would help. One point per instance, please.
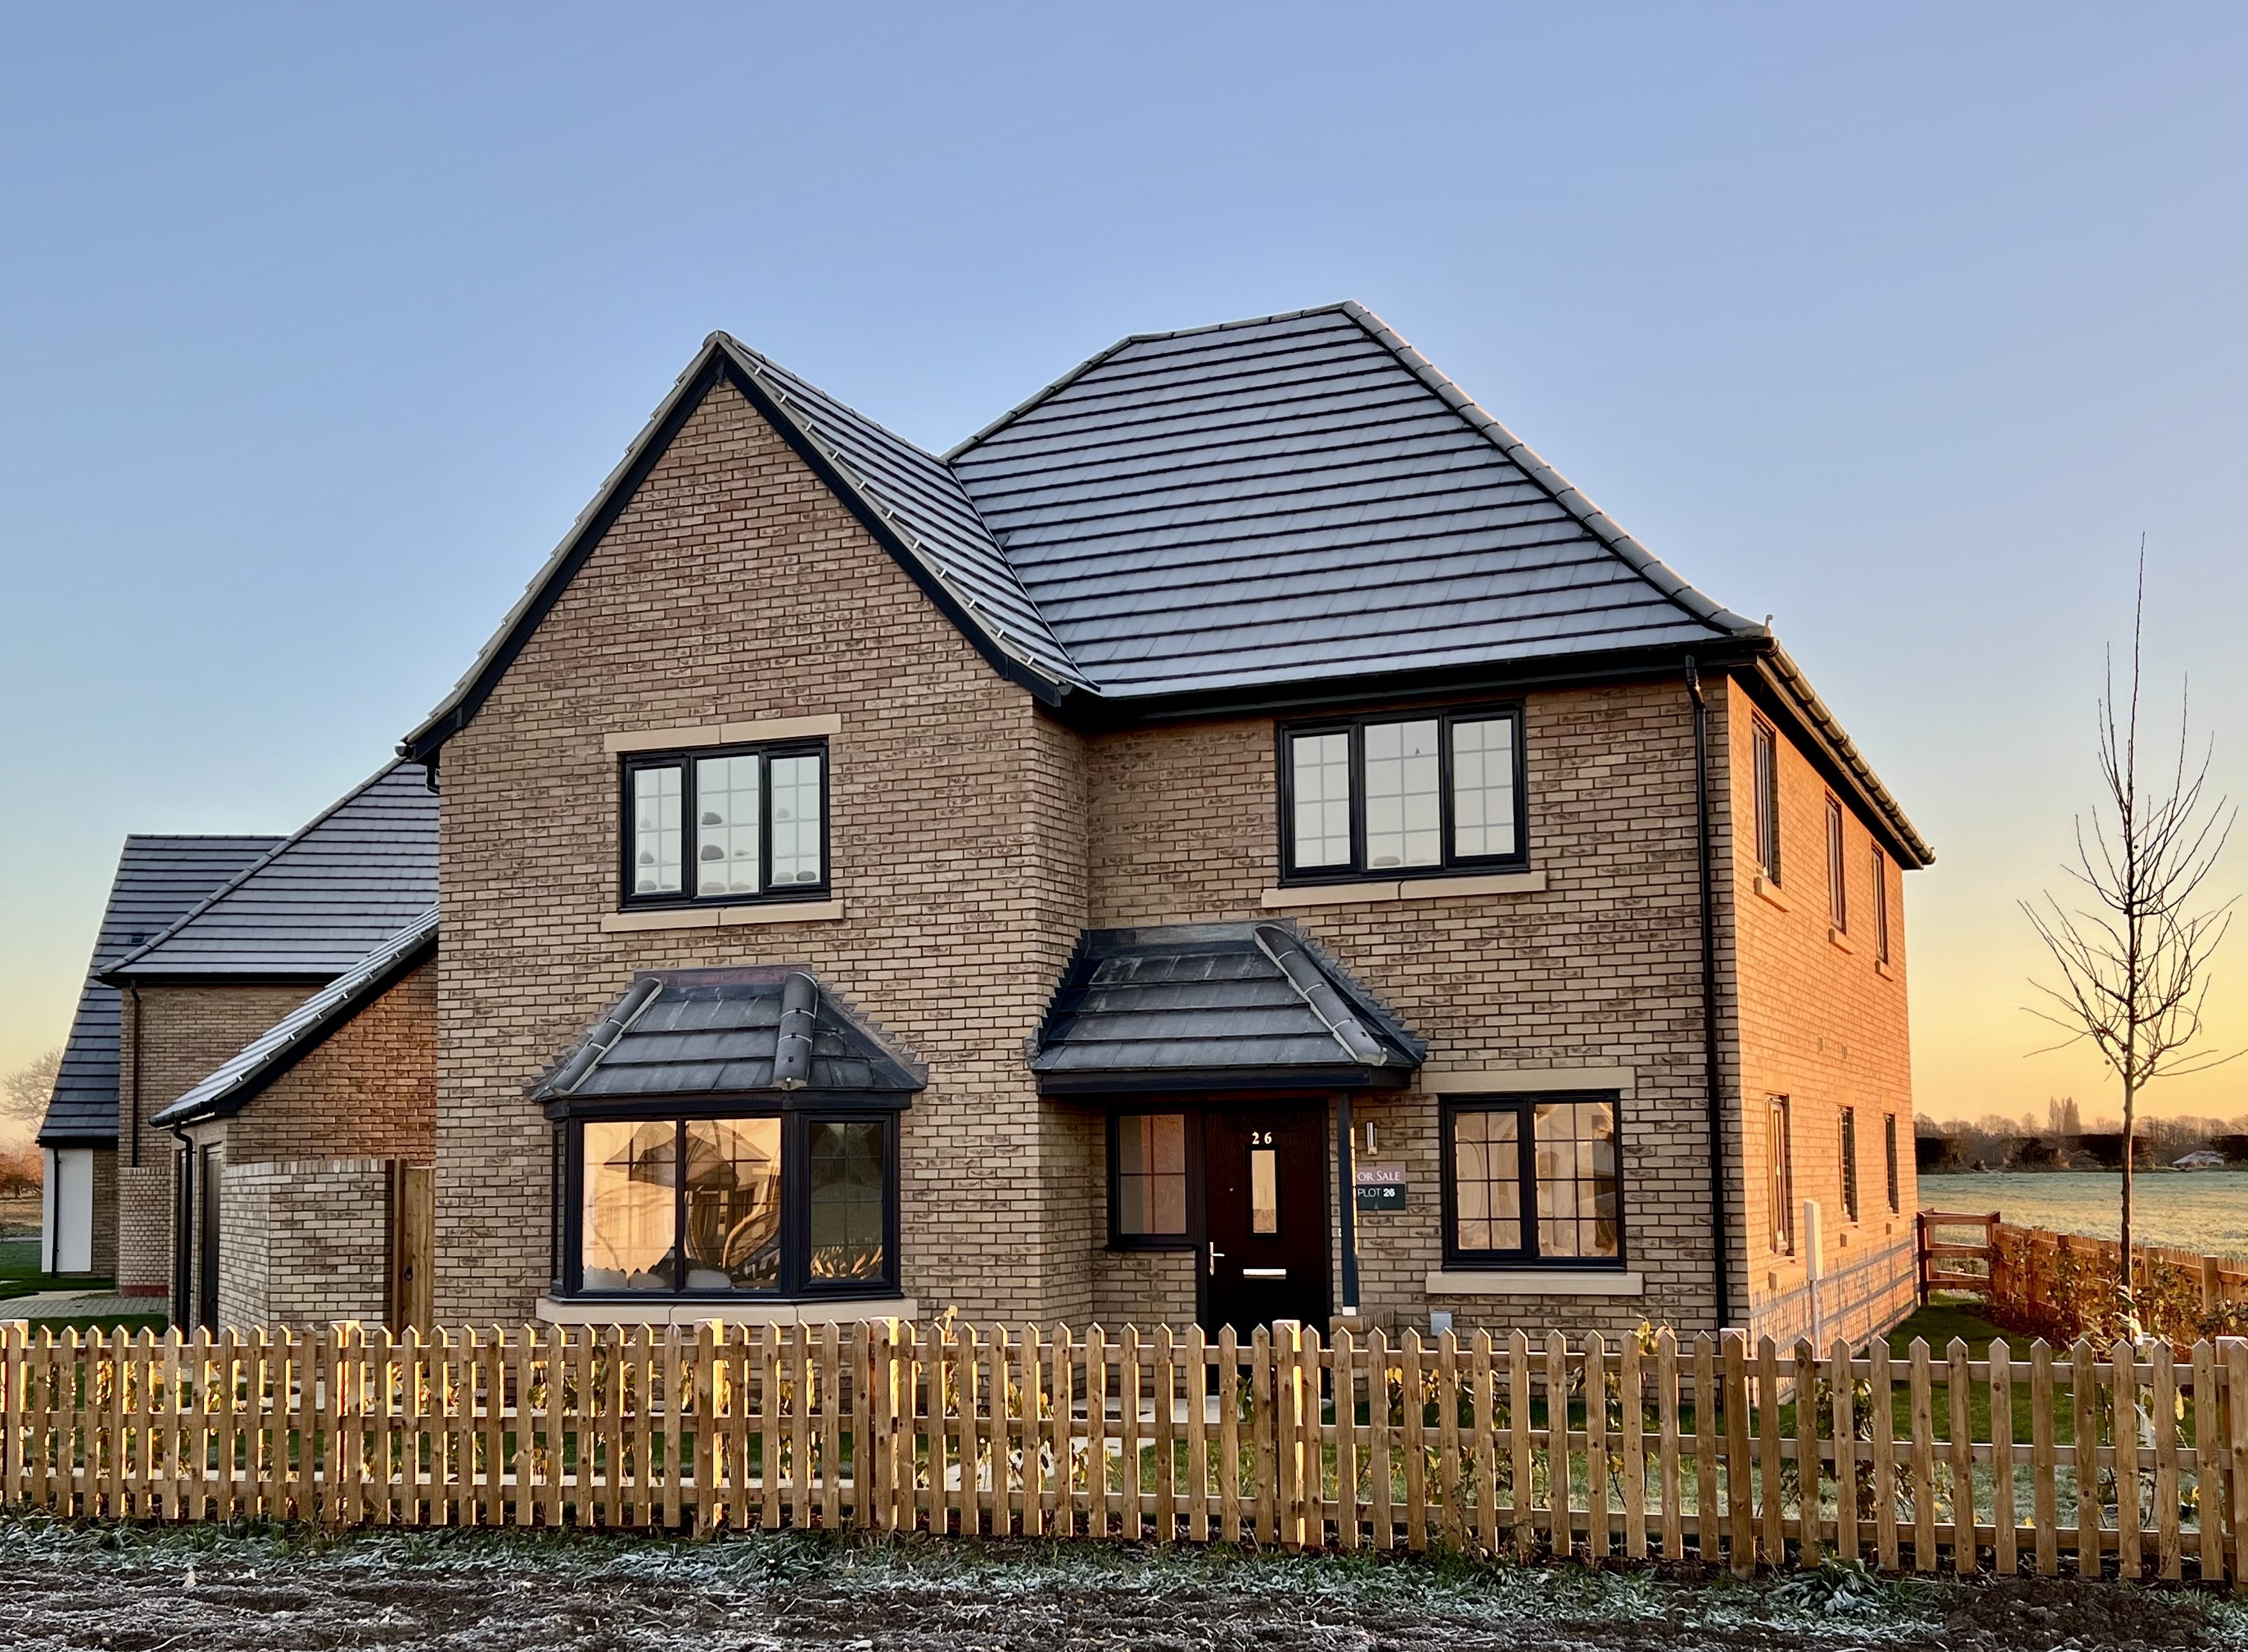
(1214, 1254)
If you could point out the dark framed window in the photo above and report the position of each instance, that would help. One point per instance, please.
(1850, 1162)
(1149, 1180)
(1838, 876)
(725, 824)
(1767, 799)
(774, 1205)
(1889, 1149)
(1881, 870)
(1780, 1175)
(1533, 1179)
(1415, 796)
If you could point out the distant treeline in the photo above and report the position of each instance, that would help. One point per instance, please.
(1994, 1142)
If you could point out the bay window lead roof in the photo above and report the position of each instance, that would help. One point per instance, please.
(749, 1028)
(1215, 1006)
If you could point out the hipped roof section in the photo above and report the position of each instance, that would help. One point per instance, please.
(317, 903)
(736, 1029)
(251, 1069)
(1296, 503)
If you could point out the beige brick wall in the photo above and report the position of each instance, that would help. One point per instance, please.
(733, 588)
(303, 1242)
(1823, 1025)
(1600, 970)
(172, 1037)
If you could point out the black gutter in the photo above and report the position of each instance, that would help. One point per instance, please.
(1095, 712)
(1720, 1268)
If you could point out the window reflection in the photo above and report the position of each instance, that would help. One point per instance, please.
(733, 1204)
(627, 1225)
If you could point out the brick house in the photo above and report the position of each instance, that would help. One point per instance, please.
(1238, 837)
(1285, 850)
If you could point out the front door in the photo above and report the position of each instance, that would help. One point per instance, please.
(1265, 1211)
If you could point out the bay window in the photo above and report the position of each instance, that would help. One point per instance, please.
(1402, 796)
(1533, 1179)
(761, 1205)
(737, 824)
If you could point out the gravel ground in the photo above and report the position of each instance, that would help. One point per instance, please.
(208, 1591)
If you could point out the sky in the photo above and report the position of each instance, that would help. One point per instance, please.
(318, 326)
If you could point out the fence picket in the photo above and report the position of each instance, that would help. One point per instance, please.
(2168, 1545)
(1670, 1487)
(2043, 1495)
(1883, 1399)
(1595, 1369)
(1482, 1379)
(1958, 1394)
(2004, 1556)
(1923, 1459)
(1738, 1486)
(1561, 1502)
(1198, 1390)
(1842, 1385)
(2123, 1374)
(1342, 1362)
(1773, 1536)
(1413, 1415)
(2209, 1498)
(2084, 1457)
(1522, 1502)
(1807, 1493)
(1631, 1381)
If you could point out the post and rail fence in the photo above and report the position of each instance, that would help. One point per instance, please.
(1731, 1452)
(2063, 1285)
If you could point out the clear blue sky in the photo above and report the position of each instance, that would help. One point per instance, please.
(319, 325)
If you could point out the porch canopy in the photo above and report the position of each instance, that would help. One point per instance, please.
(1216, 1006)
(762, 1028)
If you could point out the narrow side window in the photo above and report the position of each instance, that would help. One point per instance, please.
(1890, 1145)
(1880, 905)
(1767, 801)
(1838, 880)
(1850, 1162)
(1780, 1177)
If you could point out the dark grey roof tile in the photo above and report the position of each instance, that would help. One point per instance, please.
(159, 878)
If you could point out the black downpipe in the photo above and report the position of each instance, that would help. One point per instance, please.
(1720, 1270)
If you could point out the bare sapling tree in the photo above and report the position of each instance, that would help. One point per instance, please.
(2134, 947)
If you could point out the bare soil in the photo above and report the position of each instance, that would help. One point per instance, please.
(127, 1591)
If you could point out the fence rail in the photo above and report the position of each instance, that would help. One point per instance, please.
(1734, 1452)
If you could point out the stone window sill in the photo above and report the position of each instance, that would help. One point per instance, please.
(1836, 939)
(1329, 895)
(1768, 891)
(1537, 1281)
(721, 917)
(1883, 970)
(556, 1311)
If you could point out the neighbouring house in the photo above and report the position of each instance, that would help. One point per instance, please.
(1237, 838)
(158, 879)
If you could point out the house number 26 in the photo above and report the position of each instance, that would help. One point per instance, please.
(1260, 1138)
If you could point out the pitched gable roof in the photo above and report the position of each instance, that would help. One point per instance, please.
(237, 1080)
(1298, 505)
(158, 877)
(316, 904)
(1303, 497)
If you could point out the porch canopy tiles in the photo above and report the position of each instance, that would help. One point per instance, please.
(1216, 1006)
(759, 1028)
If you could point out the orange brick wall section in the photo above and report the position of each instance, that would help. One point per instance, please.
(1823, 1023)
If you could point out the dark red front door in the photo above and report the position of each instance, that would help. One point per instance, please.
(1264, 1190)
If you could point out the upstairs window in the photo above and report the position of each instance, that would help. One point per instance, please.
(1838, 880)
(1406, 797)
(741, 823)
(1767, 801)
(1880, 905)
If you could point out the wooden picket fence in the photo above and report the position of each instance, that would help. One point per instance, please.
(1719, 1449)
